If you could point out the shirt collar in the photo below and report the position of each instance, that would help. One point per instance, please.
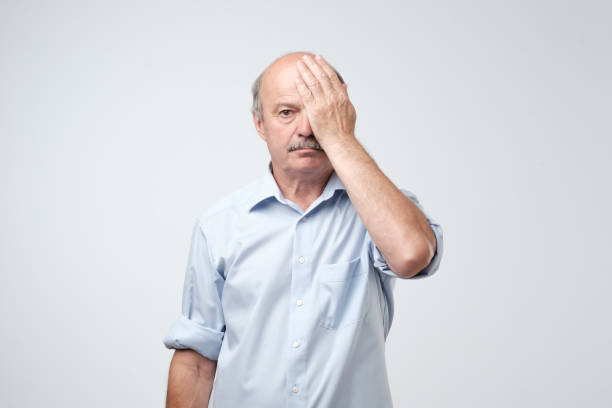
(269, 188)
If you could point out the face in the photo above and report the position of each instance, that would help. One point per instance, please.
(285, 127)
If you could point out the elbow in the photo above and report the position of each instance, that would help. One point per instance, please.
(415, 263)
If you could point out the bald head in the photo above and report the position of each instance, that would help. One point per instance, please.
(284, 65)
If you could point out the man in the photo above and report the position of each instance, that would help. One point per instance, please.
(288, 295)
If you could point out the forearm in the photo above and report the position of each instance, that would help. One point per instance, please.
(397, 226)
(190, 383)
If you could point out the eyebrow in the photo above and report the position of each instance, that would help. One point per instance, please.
(287, 104)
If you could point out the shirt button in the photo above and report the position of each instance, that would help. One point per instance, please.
(299, 302)
(296, 344)
(294, 389)
(304, 218)
(301, 259)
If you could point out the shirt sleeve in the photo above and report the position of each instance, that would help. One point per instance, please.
(381, 264)
(201, 326)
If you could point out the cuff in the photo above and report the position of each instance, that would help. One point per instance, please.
(187, 334)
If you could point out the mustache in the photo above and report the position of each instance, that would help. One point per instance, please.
(308, 143)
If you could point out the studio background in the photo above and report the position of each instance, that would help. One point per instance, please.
(120, 121)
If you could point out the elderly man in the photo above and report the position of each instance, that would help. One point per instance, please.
(288, 293)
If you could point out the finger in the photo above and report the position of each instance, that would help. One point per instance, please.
(310, 80)
(318, 73)
(304, 91)
(329, 71)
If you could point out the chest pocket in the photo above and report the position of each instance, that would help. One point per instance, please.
(342, 297)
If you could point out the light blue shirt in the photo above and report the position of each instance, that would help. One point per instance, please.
(295, 305)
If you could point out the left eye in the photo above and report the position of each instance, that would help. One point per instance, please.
(285, 112)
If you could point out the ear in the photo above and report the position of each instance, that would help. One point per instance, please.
(258, 126)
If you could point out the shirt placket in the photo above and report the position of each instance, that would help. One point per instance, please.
(298, 340)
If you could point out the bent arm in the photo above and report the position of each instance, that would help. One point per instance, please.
(397, 226)
(190, 380)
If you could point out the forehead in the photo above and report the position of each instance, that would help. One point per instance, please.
(278, 82)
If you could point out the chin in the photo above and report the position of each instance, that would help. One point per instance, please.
(319, 162)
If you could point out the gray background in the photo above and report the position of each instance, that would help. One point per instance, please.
(121, 120)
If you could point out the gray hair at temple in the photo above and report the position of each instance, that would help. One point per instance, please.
(256, 108)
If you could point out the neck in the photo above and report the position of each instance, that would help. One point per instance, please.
(301, 188)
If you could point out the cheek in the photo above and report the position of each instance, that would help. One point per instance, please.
(283, 133)
(283, 127)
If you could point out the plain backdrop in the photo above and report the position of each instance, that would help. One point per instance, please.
(120, 121)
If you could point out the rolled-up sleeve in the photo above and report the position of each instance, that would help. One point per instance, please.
(381, 264)
(201, 326)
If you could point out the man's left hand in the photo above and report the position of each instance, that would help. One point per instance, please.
(330, 112)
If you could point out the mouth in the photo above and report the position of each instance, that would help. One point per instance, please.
(307, 149)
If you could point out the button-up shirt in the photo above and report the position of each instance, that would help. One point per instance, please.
(295, 305)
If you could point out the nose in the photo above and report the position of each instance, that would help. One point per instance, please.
(303, 126)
